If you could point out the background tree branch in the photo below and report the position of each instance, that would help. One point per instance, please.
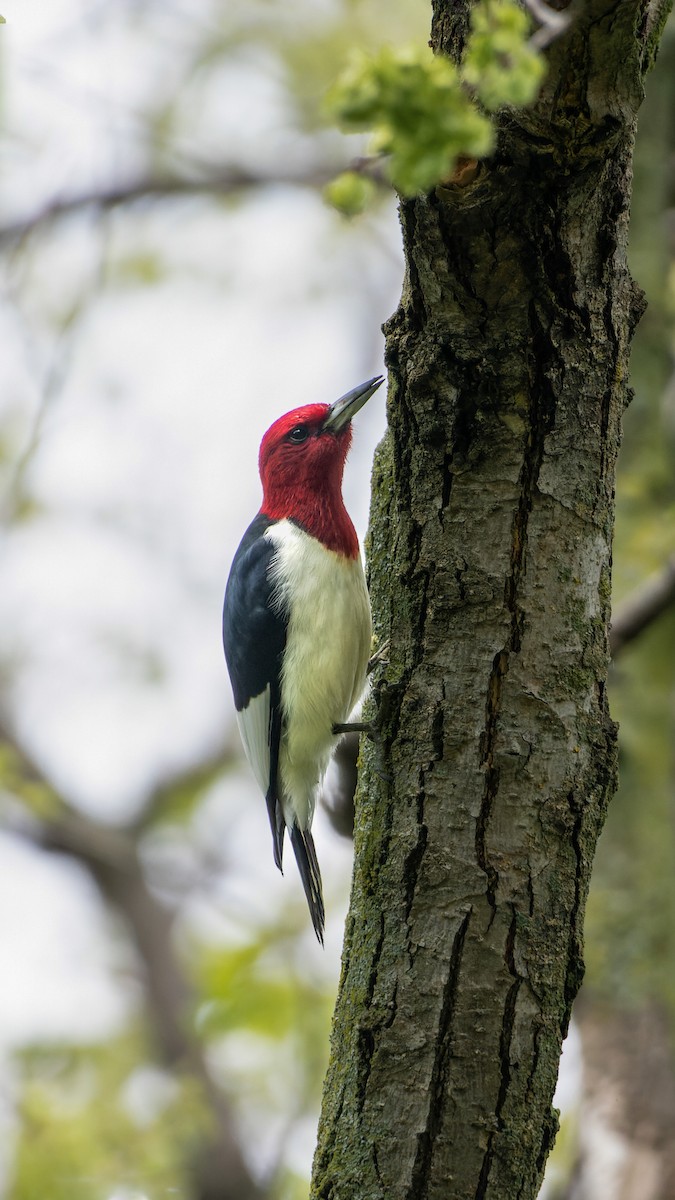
(110, 855)
(223, 181)
(644, 606)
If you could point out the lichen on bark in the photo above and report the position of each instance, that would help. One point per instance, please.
(489, 560)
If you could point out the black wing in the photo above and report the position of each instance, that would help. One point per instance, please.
(254, 637)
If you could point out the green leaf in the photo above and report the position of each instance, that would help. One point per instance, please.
(418, 111)
(499, 63)
(349, 193)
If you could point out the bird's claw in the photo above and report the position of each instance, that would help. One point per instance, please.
(366, 727)
(370, 729)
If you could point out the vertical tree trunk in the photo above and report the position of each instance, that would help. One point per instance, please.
(490, 559)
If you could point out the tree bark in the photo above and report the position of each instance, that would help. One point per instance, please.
(490, 561)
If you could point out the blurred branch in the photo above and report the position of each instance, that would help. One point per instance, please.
(56, 375)
(227, 181)
(111, 857)
(168, 794)
(627, 1103)
(644, 606)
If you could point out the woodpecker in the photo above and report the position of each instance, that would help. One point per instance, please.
(296, 622)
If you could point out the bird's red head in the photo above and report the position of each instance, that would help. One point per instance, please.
(301, 461)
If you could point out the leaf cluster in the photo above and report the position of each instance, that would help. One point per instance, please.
(499, 62)
(424, 111)
(95, 1120)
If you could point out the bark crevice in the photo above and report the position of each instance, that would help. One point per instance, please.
(507, 1029)
(420, 1178)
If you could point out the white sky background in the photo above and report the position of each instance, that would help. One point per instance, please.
(150, 409)
(150, 405)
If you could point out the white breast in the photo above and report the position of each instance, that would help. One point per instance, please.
(327, 647)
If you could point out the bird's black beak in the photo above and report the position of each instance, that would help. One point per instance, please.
(341, 413)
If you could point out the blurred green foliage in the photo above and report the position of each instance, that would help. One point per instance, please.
(499, 61)
(630, 928)
(350, 193)
(99, 1118)
(421, 108)
(418, 111)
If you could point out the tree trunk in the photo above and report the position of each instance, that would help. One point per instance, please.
(625, 1139)
(490, 559)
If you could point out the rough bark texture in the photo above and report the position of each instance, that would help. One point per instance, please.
(490, 559)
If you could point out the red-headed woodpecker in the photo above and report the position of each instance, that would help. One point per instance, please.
(296, 622)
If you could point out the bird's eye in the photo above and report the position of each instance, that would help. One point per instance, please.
(298, 435)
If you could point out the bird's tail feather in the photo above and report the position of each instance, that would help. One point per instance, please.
(274, 806)
(308, 865)
(278, 827)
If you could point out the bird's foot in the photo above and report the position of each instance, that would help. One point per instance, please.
(371, 731)
(367, 727)
(370, 728)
